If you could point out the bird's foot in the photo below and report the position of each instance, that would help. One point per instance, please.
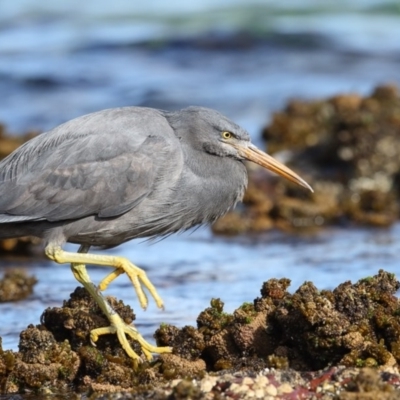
(122, 330)
(138, 278)
(120, 265)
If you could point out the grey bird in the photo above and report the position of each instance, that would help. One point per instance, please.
(118, 174)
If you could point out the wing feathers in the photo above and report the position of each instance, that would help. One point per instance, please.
(66, 175)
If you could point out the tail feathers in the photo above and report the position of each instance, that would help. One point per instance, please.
(7, 218)
(16, 226)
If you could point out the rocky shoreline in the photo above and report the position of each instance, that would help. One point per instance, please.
(330, 344)
(339, 344)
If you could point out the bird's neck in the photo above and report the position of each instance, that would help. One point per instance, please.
(212, 184)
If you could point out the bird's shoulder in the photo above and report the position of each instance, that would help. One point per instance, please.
(94, 137)
(103, 163)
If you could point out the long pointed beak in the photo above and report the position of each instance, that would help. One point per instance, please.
(252, 153)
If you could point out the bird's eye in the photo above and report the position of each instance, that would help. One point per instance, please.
(226, 135)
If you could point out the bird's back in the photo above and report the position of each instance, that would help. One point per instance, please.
(102, 164)
(118, 174)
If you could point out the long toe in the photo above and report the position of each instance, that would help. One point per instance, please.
(123, 331)
(138, 278)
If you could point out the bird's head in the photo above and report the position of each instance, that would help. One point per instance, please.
(207, 130)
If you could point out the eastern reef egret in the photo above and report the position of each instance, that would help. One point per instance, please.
(119, 174)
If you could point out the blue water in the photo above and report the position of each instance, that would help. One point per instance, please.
(190, 269)
(59, 60)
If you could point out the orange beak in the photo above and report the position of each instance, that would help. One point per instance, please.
(252, 153)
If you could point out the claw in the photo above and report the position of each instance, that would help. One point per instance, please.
(121, 265)
(122, 330)
(138, 277)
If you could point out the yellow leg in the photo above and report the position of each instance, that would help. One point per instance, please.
(117, 325)
(121, 265)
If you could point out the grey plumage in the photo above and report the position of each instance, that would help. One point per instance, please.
(117, 174)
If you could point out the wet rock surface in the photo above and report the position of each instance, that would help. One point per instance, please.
(346, 147)
(342, 344)
(353, 325)
(15, 285)
(9, 143)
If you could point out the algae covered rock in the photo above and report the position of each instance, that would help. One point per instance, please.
(347, 147)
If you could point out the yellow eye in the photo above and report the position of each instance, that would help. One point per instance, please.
(226, 135)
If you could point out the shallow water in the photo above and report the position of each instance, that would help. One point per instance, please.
(59, 60)
(190, 269)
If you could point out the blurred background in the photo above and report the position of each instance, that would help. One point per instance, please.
(60, 60)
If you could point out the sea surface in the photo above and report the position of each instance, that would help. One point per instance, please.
(59, 60)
